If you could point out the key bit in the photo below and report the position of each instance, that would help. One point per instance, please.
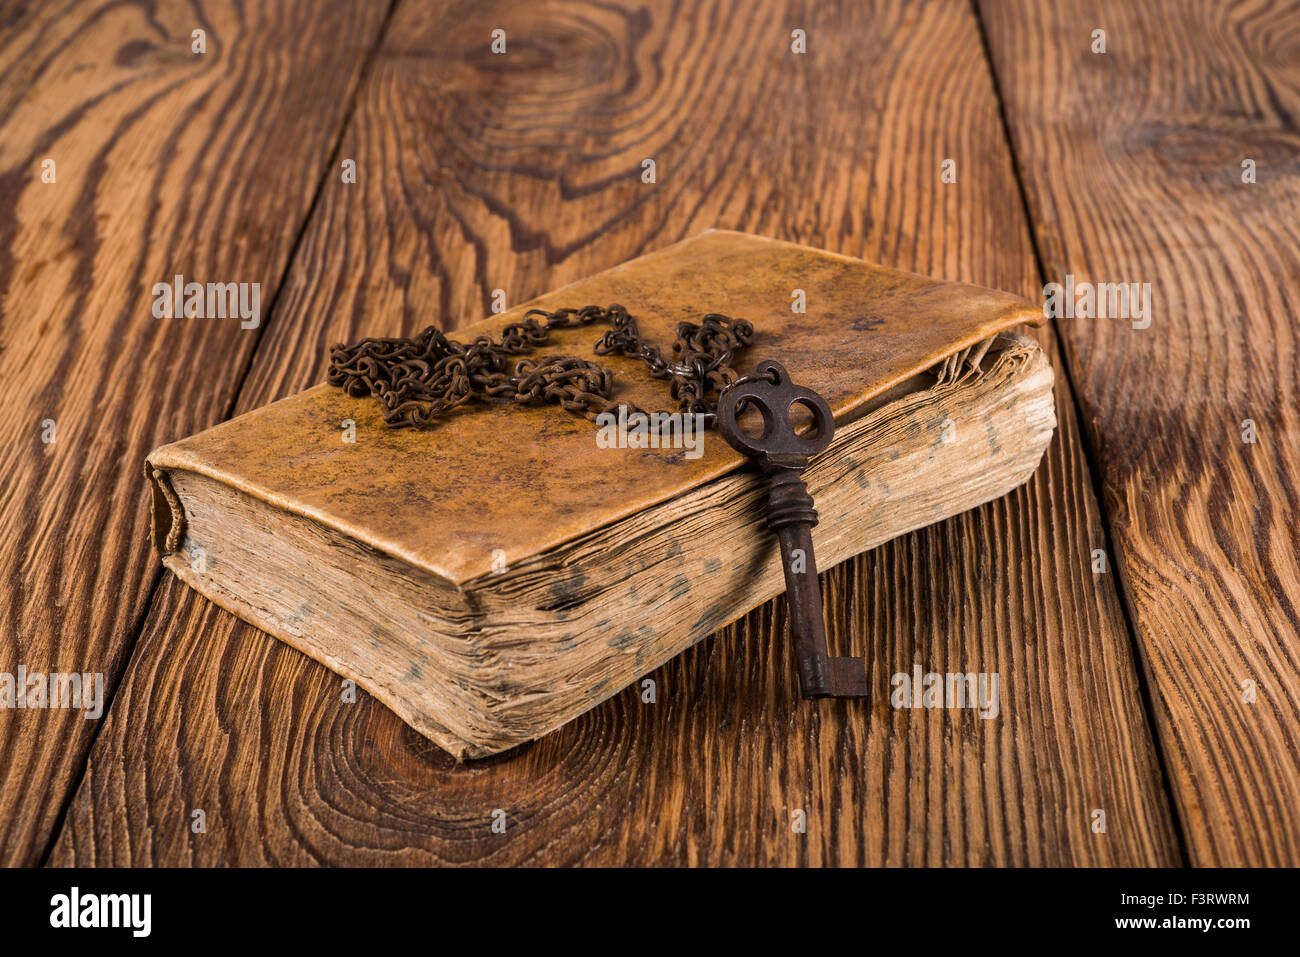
(782, 454)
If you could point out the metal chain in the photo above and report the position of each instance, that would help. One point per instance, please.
(419, 379)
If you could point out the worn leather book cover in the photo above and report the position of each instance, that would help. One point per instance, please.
(497, 575)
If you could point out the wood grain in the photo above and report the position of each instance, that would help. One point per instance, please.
(165, 162)
(1133, 166)
(522, 172)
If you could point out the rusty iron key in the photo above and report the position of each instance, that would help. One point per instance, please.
(782, 454)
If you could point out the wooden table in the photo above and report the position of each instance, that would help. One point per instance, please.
(1157, 684)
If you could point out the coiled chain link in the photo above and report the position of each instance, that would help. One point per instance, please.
(419, 379)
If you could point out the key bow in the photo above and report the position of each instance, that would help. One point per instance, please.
(769, 390)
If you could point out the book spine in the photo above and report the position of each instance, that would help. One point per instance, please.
(167, 514)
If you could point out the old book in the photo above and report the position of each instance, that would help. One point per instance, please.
(496, 576)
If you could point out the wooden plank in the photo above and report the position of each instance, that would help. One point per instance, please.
(1133, 166)
(522, 172)
(165, 162)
